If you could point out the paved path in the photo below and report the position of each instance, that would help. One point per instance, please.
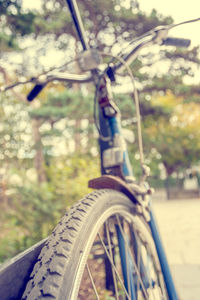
(179, 224)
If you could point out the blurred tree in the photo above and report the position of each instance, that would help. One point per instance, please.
(33, 212)
(174, 134)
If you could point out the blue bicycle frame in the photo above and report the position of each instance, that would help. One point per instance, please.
(114, 127)
(110, 126)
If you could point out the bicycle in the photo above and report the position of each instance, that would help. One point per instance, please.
(108, 245)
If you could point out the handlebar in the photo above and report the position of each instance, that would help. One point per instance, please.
(75, 78)
(156, 36)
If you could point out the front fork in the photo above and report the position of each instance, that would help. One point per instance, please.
(171, 290)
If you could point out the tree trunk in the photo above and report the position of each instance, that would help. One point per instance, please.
(167, 187)
(39, 157)
(76, 88)
(169, 171)
(77, 136)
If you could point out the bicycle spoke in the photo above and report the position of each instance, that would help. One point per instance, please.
(156, 288)
(111, 255)
(115, 269)
(138, 253)
(139, 257)
(92, 281)
(149, 277)
(127, 269)
(133, 260)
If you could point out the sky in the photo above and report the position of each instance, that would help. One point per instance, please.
(180, 10)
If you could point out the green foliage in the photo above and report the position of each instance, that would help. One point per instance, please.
(14, 22)
(49, 112)
(14, 129)
(24, 23)
(67, 104)
(33, 212)
(34, 209)
(7, 42)
(70, 177)
(175, 135)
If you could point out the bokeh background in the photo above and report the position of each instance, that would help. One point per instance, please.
(48, 148)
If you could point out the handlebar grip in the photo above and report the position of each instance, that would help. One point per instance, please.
(178, 42)
(35, 91)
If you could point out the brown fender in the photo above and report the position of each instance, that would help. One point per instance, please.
(114, 183)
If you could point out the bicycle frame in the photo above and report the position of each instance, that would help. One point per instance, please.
(110, 126)
(114, 126)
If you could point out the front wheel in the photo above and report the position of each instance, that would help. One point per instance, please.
(101, 249)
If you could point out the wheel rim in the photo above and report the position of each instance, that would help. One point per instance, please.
(103, 245)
